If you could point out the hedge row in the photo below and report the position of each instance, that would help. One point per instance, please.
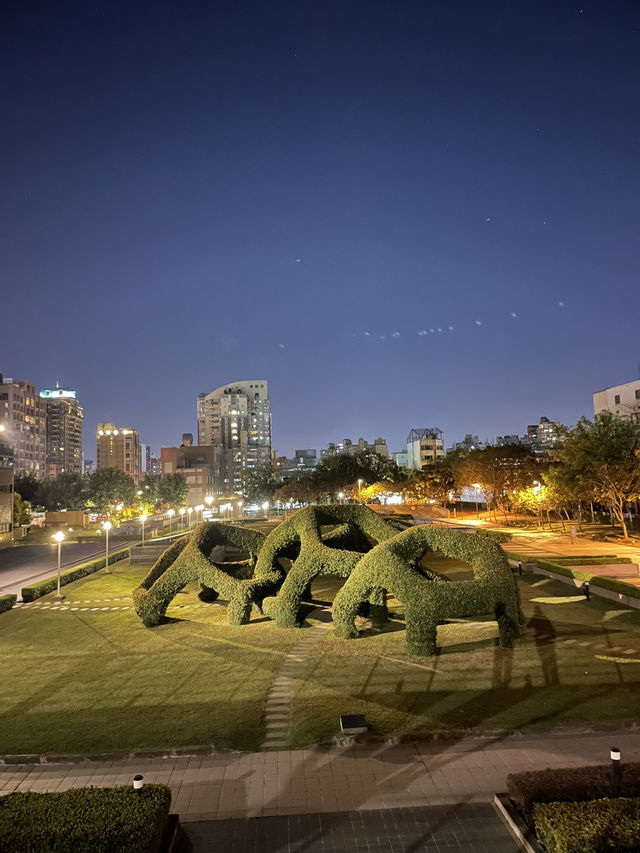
(589, 827)
(7, 602)
(394, 566)
(569, 784)
(85, 820)
(612, 584)
(189, 560)
(43, 587)
(358, 530)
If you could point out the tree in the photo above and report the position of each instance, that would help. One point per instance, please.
(434, 482)
(337, 472)
(605, 456)
(150, 489)
(500, 472)
(173, 489)
(110, 486)
(29, 488)
(21, 511)
(301, 489)
(258, 484)
(69, 490)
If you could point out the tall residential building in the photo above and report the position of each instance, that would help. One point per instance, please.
(64, 431)
(622, 400)
(542, 437)
(24, 416)
(424, 446)
(237, 418)
(119, 447)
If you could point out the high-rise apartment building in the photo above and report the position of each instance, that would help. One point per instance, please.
(348, 448)
(119, 447)
(64, 431)
(424, 446)
(6, 487)
(622, 400)
(23, 415)
(237, 418)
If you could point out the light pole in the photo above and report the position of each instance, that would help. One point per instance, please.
(240, 504)
(143, 518)
(209, 500)
(189, 511)
(182, 512)
(199, 509)
(476, 486)
(265, 507)
(106, 527)
(171, 512)
(59, 538)
(360, 489)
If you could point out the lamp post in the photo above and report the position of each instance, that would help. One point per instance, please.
(189, 511)
(476, 486)
(208, 500)
(106, 527)
(199, 509)
(265, 508)
(240, 504)
(182, 512)
(171, 512)
(59, 538)
(360, 489)
(143, 518)
(341, 497)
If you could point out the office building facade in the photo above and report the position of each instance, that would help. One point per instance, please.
(119, 447)
(64, 417)
(237, 419)
(622, 400)
(23, 415)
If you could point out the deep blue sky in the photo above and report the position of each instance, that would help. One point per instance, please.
(432, 164)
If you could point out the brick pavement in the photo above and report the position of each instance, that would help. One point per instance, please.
(350, 778)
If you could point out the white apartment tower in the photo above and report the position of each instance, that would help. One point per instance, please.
(237, 418)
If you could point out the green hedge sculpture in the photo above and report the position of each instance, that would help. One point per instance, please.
(190, 559)
(393, 565)
(300, 538)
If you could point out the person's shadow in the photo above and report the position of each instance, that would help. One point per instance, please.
(544, 636)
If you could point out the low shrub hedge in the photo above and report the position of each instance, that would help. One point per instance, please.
(563, 567)
(85, 820)
(7, 602)
(43, 587)
(569, 784)
(589, 827)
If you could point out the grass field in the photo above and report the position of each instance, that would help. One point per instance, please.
(96, 680)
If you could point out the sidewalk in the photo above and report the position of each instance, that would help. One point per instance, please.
(313, 781)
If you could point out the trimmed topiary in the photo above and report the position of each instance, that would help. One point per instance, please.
(189, 560)
(393, 565)
(358, 529)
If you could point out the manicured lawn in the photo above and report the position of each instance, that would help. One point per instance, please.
(97, 680)
(473, 684)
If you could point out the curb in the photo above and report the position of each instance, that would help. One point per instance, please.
(517, 827)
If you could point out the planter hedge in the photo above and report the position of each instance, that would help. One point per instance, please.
(569, 784)
(43, 587)
(357, 530)
(189, 560)
(589, 827)
(564, 568)
(85, 820)
(7, 602)
(394, 566)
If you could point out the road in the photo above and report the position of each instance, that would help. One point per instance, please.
(28, 563)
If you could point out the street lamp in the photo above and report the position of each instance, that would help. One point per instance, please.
(189, 511)
(171, 512)
(476, 486)
(240, 504)
(265, 507)
(182, 512)
(208, 500)
(199, 509)
(143, 518)
(59, 538)
(341, 496)
(106, 527)
(360, 489)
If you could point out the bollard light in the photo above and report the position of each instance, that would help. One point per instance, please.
(138, 782)
(616, 774)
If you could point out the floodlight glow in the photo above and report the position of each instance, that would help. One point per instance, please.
(59, 536)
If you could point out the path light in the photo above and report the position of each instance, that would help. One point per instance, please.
(616, 774)
(59, 538)
(171, 512)
(182, 512)
(106, 527)
(138, 782)
(265, 508)
(143, 518)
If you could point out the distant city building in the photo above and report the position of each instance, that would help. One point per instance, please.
(64, 431)
(504, 440)
(237, 419)
(119, 447)
(347, 447)
(155, 466)
(201, 466)
(6, 487)
(303, 462)
(424, 446)
(469, 442)
(401, 458)
(24, 417)
(622, 400)
(542, 437)
(145, 456)
(88, 467)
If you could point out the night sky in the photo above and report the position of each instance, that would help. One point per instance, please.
(399, 214)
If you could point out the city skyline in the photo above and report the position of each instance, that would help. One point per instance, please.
(426, 217)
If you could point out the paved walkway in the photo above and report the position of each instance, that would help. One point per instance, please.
(338, 779)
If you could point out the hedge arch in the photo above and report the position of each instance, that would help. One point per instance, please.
(393, 565)
(189, 560)
(300, 538)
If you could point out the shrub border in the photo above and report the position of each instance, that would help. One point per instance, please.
(47, 585)
(7, 602)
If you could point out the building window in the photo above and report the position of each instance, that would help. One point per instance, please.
(637, 393)
(616, 399)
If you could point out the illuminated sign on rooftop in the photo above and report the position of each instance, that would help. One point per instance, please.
(57, 393)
